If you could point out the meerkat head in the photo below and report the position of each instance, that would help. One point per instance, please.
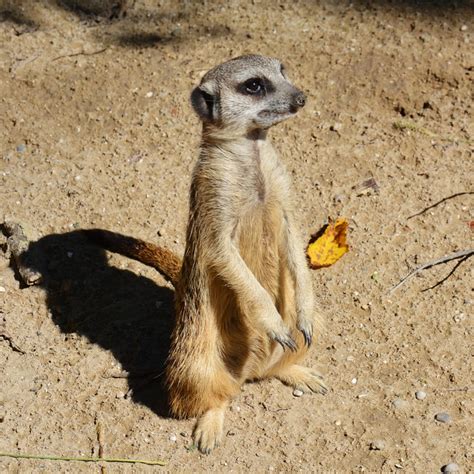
(245, 94)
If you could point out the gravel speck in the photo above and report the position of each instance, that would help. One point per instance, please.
(297, 392)
(451, 467)
(420, 395)
(443, 417)
(21, 148)
(398, 403)
(377, 445)
(173, 438)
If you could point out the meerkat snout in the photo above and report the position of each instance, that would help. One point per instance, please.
(300, 99)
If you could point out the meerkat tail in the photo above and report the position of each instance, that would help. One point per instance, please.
(165, 261)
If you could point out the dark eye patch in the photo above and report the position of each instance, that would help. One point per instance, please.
(257, 86)
(283, 70)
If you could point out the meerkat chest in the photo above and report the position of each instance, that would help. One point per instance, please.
(271, 182)
(266, 199)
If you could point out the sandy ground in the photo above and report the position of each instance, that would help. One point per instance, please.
(96, 130)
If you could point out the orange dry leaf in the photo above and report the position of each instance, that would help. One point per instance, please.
(328, 245)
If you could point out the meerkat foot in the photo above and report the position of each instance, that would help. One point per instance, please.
(209, 430)
(303, 378)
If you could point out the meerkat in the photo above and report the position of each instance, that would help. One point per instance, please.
(244, 299)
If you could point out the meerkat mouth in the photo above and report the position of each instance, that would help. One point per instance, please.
(275, 113)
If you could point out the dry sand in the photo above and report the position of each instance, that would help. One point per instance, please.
(96, 130)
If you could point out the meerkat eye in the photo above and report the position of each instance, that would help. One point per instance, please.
(254, 86)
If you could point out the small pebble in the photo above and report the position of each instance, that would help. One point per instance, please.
(451, 467)
(70, 254)
(459, 317)
(21, 148)
(463, 28)
(377, 445)
(354, 381)
(338, 422)
(297, 392)
(399, 403)
(149, 94)
(420, 395)
(2, 289)
(443, 417)
(173, 438)
(120, 395)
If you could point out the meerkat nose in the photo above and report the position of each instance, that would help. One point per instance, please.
(300, 99)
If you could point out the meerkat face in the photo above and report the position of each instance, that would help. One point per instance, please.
(247, 93)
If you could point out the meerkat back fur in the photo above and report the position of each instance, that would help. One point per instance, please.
(244, 300)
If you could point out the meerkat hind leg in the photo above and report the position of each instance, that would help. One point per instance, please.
(209, 429)
(302, 378)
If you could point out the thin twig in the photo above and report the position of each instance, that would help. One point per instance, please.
(448, 275)
(464, 254)
(23, 62)
(439, 202)
(83, 459)
(4, 334)
(80, 53)
(100, 453)
(132, 373)
(412, 126)
(460, 389)
(11, 342)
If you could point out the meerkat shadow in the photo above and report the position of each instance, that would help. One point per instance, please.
(125, 313)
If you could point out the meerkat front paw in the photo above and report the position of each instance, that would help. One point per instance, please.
(306, 328)
(285, 340)
(304, 317)
(272, 323)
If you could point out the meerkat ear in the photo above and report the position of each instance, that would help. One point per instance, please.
(204, 102)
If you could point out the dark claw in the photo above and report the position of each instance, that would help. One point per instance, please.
(288, 342)
(282, 344)
(292, 344)
(308, 338)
